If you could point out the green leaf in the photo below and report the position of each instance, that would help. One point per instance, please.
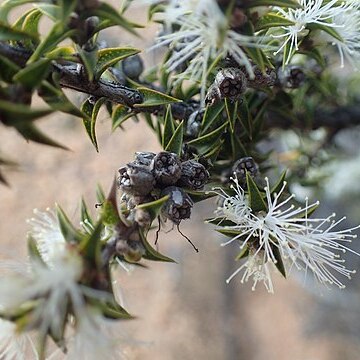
(244, 252)
(277, 187)
(31, 22)
(245, 118)
(67, 7)
(281, 3)
(110, 56)
(256, 200)
(89, 59)
(19, 113)
(84, 213)
(231, 111)
(330, 30)
(32, 75)
(169, 128)
(110, 308)
(32, 133)
(229, 232)
(7, 5)
(91, 111)
(208, 141)
(154, 207)
(53, 38)
(105, 11)
(270, 20)
(33, 250)
(7, 69)
(109, 214)
(176, 141)
(120, 114)
(8, 33)
(150, 252)
(57, 100)
(90, 246)
(100, 195)
(279, 262)
(68, 230)
(49, 10)
(154, 98)
(197, 196)
(212, 116)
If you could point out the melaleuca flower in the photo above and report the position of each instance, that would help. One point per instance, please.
(309, 12)
(48, 288)
(284, 232)
(203, 36)
(348, 27)
(92, 339)
(45, 230)
(14, 345)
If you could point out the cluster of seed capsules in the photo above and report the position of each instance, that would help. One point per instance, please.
(150, 177)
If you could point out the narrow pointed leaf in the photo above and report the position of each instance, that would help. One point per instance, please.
(151, 253)
(90, 246)
(154, 98)
(256, 200)
(68, 230)
(176, 141)
(154, 207)
(169, 127)
(110, 56)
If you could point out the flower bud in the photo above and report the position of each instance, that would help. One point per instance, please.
(193, 175)
(136, 179)
(132, 66)
(178, 206)
(166, 168)
(244, 165)
(142, 217)
(193, 123)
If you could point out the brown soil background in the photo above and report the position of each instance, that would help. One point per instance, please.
(184, 311)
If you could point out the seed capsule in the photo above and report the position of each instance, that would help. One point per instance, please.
(179, 205)
(193, 175)
(144, 158)
(243, 165)
(166, 168)
(292, 77)
(229, 83)
(136, 180)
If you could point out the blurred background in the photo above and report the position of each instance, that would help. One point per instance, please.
(186, 310)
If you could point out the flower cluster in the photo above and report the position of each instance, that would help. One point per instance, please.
(338, 20)
(205, 35)
(283, 235)
(57, 296)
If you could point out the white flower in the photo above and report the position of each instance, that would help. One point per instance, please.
(309, 12)
(54, 287)
(204, 36)
(45, 230)
(13, 344)
(92, 339)
(348, 27)
(307, 243)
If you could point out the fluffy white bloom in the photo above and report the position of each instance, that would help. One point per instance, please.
(307, 243)
(45, 230)
(348, 27)
(13, 344)
(309, 12)
(204, 36)
(53, 286)
(92, 339)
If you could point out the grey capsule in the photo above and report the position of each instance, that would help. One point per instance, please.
(229, 83)
(136, 180)
(193, 175)
(179, 205)
(132, 66)
(244, 165)
(144, 157)
(166, 167)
